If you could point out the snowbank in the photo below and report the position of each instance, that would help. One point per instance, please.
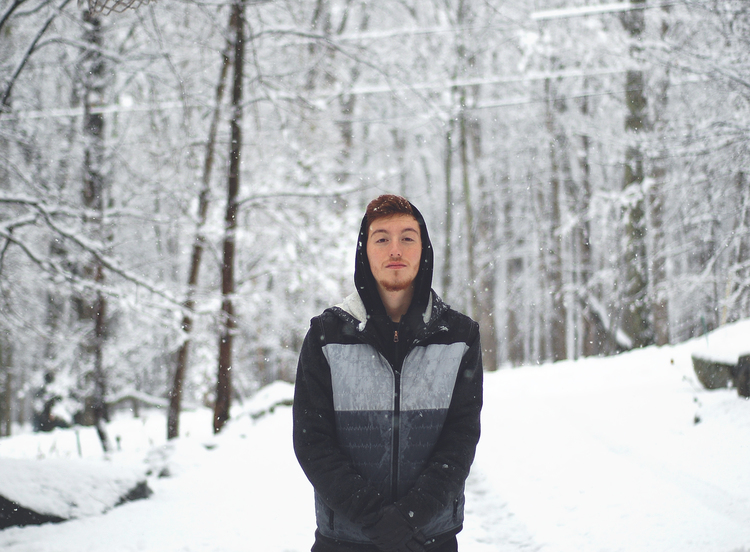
(724, 345)
(65, 489)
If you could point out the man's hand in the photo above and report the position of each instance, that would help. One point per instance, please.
(393, 532)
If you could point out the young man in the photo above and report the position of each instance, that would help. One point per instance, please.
(388, 397)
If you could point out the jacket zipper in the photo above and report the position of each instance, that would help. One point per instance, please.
(396, 438)
(396, 419)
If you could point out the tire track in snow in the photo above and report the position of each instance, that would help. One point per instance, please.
(490, 525)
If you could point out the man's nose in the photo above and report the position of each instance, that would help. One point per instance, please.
(395, 249)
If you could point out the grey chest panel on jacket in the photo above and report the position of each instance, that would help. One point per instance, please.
(363, 380)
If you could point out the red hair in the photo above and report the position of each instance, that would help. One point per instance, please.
(387, 205)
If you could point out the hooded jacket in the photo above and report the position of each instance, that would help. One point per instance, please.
(379, 421)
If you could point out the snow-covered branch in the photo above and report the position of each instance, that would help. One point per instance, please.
(258, 197)
(48, 214)
(135, 395)
(5, 99)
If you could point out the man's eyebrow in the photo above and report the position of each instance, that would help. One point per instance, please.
(384, 231)
(410, 229)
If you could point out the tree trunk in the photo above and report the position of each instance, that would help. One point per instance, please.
(659, 258)
(636, 319)
(592, 334)
(738, 279)
(95, 73)
(554, 264)
(348, 102)
(656, 203)
(743, 253)
(7, 405)
(487, 282)
(101, 412)
(514, 264)
(6, 389)
(175, 394)
(228, 321)
(447, 252)
(471, 261)
(481, 281)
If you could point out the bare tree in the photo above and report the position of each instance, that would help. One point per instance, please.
(636, 312)
(94, 70)
(199, 243)
(6, 388)
(447, 280)
(592, 332)
(228, 321)
(658, 281)
(554, 261)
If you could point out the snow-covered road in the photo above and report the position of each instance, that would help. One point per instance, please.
(605, 455)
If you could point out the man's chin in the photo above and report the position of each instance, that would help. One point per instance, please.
(396, 286)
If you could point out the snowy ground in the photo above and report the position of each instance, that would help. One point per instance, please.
(589, 456)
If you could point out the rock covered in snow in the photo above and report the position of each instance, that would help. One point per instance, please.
(39, 491)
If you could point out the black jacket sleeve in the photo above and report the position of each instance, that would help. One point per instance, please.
(444, 476)
(329, 469)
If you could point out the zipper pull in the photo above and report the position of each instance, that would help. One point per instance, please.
(395, 336)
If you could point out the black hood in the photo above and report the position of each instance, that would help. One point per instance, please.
(365, 281)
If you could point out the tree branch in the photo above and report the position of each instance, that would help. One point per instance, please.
(92, 247)
(4, 18)
(5, 100)
(306, 194)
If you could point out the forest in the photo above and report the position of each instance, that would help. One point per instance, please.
(181, 183)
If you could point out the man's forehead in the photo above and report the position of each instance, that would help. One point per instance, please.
(378, 225)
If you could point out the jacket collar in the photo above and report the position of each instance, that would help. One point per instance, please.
(356, 313)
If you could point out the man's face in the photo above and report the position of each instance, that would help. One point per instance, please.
(394, 248)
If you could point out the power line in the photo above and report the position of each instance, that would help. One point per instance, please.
(582, 11)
